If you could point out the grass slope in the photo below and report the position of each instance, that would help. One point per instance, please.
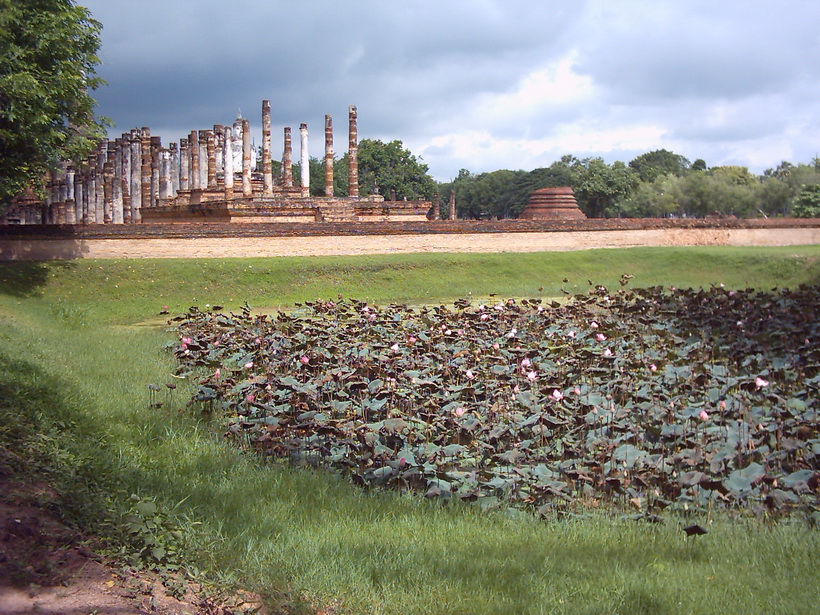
(74, 405)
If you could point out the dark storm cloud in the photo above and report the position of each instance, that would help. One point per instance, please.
(479, 84)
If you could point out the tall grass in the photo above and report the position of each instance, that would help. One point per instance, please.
(75, 398)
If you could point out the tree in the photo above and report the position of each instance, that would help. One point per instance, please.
(807, 202)
(599, 186)
(659, 162)
(392, 171)
(48, 55)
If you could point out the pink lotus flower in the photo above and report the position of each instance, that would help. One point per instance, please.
(371, 318)
(722, 405)
(187, 340)
(249, 365)
(760, 383)
(557, 395)
(395, 347)
(532, 376)
(402, 462)
(540, 308)
(577, 390)
(304, 360)
(499, 308)
(512, 332)
(525, 362)
(516, 389)
(496, 346)
(703, 415)
(459, 412)
(250, 398)
(571, 334)
(485, 317)
(600, 337)
(411, 340)
(607, 353)
(470, 375)
(593, 324)
(217, 373)
(653, 367)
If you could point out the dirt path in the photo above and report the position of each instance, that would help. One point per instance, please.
(221, 247)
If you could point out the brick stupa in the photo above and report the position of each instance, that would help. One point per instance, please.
(552, 204)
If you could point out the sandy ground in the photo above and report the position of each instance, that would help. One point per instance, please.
(220, 247)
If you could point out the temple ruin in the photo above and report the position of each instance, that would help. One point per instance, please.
(209, 176)
(556, 203)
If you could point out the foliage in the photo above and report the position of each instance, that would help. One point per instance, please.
(599, 186)
(807, 203)
(500, 194)
(688, 400)
(656, 184)
(392, 171)
(659, 162)
(48, 55)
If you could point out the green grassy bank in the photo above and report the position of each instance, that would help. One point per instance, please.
(75, 410)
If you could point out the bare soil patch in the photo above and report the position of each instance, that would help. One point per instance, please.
(48, 567)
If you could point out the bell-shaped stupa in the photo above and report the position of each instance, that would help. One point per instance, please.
(552, 204)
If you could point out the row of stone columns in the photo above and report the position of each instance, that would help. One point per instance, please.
(123, 177)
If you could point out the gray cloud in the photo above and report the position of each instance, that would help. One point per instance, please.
(478, 83)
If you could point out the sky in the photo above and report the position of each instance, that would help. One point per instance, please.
(477, 84)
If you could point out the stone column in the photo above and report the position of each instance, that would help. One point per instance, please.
(184, 162)
(328, 155)
(247, 187)
(436, 213)
(203, 159)
(156, 146)
(452, 205)
(287, 168)
(267, 169)
(210, 149)
(70, 212)
(108, 191)
(89, 190)
(125, 178)
(62, 195)
(78, 197)
(165, 185)
(305, 160)
(174, 153)
(117, 215)
(353, 155)
(193, 166)
(136, 176)
(145, 169)
(99, 199)
(228, 160)
(219, 147)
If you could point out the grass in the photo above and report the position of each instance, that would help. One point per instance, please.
(129, 291)
(74, 407)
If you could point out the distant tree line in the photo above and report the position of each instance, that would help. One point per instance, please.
(656, 184)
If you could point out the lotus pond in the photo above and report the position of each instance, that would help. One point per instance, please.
(644, 400)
